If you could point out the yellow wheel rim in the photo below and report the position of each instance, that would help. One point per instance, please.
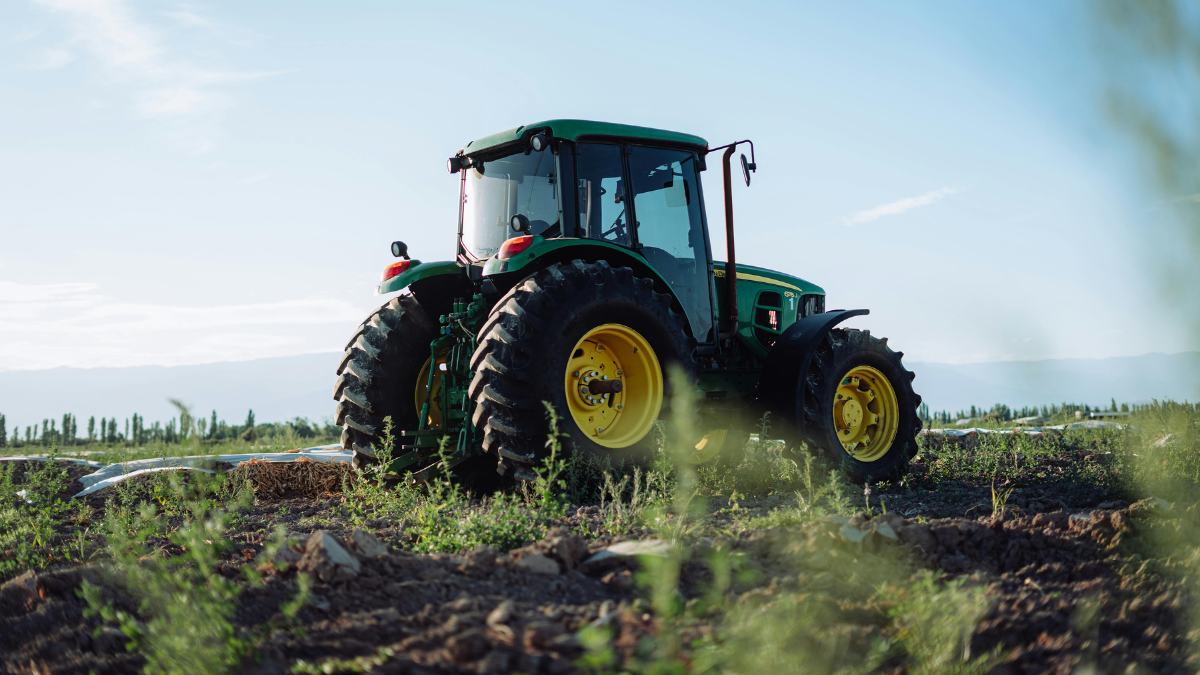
(434, 420)
(710, 446)
(608, 358)
(866, 414)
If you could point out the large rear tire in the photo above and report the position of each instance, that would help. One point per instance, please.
(856, 403)
(565, 335)
(378, 374)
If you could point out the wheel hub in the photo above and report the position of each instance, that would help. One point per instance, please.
(865, 413)
(613, 385)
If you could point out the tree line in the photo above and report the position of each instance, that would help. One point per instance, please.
(135, 431)
(1002, 413)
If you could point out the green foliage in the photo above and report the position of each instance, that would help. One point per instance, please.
(33, 515)
(934, 622)
(182, 624)
(439, 516)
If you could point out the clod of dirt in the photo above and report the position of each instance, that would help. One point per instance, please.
(366, 545)
(501, 614)
(327, 560)
(559, 551)
(289, 554)
(20, 593)
(535, 562)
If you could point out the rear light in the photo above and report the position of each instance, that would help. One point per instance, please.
(514, 246)
(395, 269)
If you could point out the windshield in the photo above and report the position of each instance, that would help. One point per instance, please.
(502, 188)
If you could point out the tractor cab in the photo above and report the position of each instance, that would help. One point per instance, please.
(628, 187)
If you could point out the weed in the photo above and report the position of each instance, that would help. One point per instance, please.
(934, 622)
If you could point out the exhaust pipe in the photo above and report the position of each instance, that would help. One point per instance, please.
(731, 303)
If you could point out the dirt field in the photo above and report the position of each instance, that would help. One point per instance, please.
(1017, 557)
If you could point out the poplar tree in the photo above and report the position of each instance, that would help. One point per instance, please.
(91, 428)
(3, 431)
(212, 426)
(250, 435)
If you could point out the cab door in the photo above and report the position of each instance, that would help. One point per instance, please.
(669, 226)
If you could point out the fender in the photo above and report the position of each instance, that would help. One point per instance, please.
(418, 271)
(788, 361)
(545, 252)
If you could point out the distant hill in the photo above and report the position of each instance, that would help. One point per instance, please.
(276, 388)
(286, 387)
(1131, 379)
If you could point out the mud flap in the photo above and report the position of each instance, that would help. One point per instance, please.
(788, 361)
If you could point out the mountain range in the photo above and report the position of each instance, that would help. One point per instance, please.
(281, 388)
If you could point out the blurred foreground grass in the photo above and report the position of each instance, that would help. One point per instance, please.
(164, 539)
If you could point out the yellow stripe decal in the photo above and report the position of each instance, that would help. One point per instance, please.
(755, 277)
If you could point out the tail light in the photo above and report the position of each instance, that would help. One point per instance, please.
(395, 269)
(514, 246)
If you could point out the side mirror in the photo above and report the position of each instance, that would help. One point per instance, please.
(520, 223)
(454, 164)
(747, 167)
(400, 249)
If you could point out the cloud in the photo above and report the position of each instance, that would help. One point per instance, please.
(897, 207)
(74, 324)
(136, 54)
(190, 19)
(51, 59)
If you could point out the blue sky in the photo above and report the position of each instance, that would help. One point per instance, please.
(189, 182)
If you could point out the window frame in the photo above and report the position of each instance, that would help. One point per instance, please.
(698, 159)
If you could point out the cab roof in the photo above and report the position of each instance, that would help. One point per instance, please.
(574, 129)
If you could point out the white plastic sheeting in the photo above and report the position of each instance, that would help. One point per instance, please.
(114, 473)
(100, 485)
(1032, 431)
(39, 458)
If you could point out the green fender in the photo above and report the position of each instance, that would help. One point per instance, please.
(545, 252)
(419, 271)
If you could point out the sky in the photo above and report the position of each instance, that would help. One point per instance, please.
(196, 182)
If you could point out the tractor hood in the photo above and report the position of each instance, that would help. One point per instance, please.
(766, 276)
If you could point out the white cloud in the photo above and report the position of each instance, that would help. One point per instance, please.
(190, 19)
(51, 59)
(72, 324)
(136, 54)
(897, 207)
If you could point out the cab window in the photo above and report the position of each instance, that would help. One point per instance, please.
(670, 228)
(601, 195)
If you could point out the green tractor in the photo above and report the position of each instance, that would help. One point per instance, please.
(583, 272)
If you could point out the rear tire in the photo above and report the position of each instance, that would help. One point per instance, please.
(529, 351)
(378, 373)
(857, 389)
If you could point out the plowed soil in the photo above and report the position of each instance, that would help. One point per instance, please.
(1070, 576)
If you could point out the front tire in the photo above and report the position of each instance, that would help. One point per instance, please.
(565, 335)
(857, 404)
